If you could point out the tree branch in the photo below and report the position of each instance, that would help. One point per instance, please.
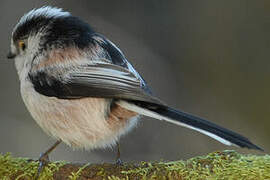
(217, 165)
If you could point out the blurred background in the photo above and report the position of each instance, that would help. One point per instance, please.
(208, 58)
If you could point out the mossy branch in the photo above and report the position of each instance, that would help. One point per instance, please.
(217, 165)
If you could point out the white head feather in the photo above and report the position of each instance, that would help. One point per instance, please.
(45, 11)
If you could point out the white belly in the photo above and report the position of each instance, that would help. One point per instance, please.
(80, 123)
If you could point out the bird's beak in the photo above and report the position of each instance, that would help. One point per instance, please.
(11, 55)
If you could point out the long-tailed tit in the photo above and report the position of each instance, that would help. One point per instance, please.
(81, 89)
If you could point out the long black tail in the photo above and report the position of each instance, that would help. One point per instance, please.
(219, 133)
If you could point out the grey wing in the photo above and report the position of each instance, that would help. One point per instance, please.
(112, 77)
(102, 80)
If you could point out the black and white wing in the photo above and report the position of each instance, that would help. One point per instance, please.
(113, 77)
(103, 80)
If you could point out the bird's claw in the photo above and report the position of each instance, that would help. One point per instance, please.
(119, 162)
(43, 161)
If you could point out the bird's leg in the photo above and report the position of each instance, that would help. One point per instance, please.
(44, 157)
(118, 160)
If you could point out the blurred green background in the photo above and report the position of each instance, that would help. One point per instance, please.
(208, 58)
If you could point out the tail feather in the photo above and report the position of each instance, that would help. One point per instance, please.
(210, 129)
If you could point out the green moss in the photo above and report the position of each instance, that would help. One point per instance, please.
(75, 175)
(217, 165)
(22, 168)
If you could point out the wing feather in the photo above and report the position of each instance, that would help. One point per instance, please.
(102, 80)
(109, 76)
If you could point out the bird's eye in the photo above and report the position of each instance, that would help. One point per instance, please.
(22, 45)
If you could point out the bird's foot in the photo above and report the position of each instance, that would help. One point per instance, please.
(43, 161)
(119, 162)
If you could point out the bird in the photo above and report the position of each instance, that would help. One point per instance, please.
(80, 88)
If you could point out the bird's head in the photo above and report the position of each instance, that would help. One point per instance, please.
(43, 30)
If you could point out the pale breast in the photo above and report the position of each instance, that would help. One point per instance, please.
(81, 123)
